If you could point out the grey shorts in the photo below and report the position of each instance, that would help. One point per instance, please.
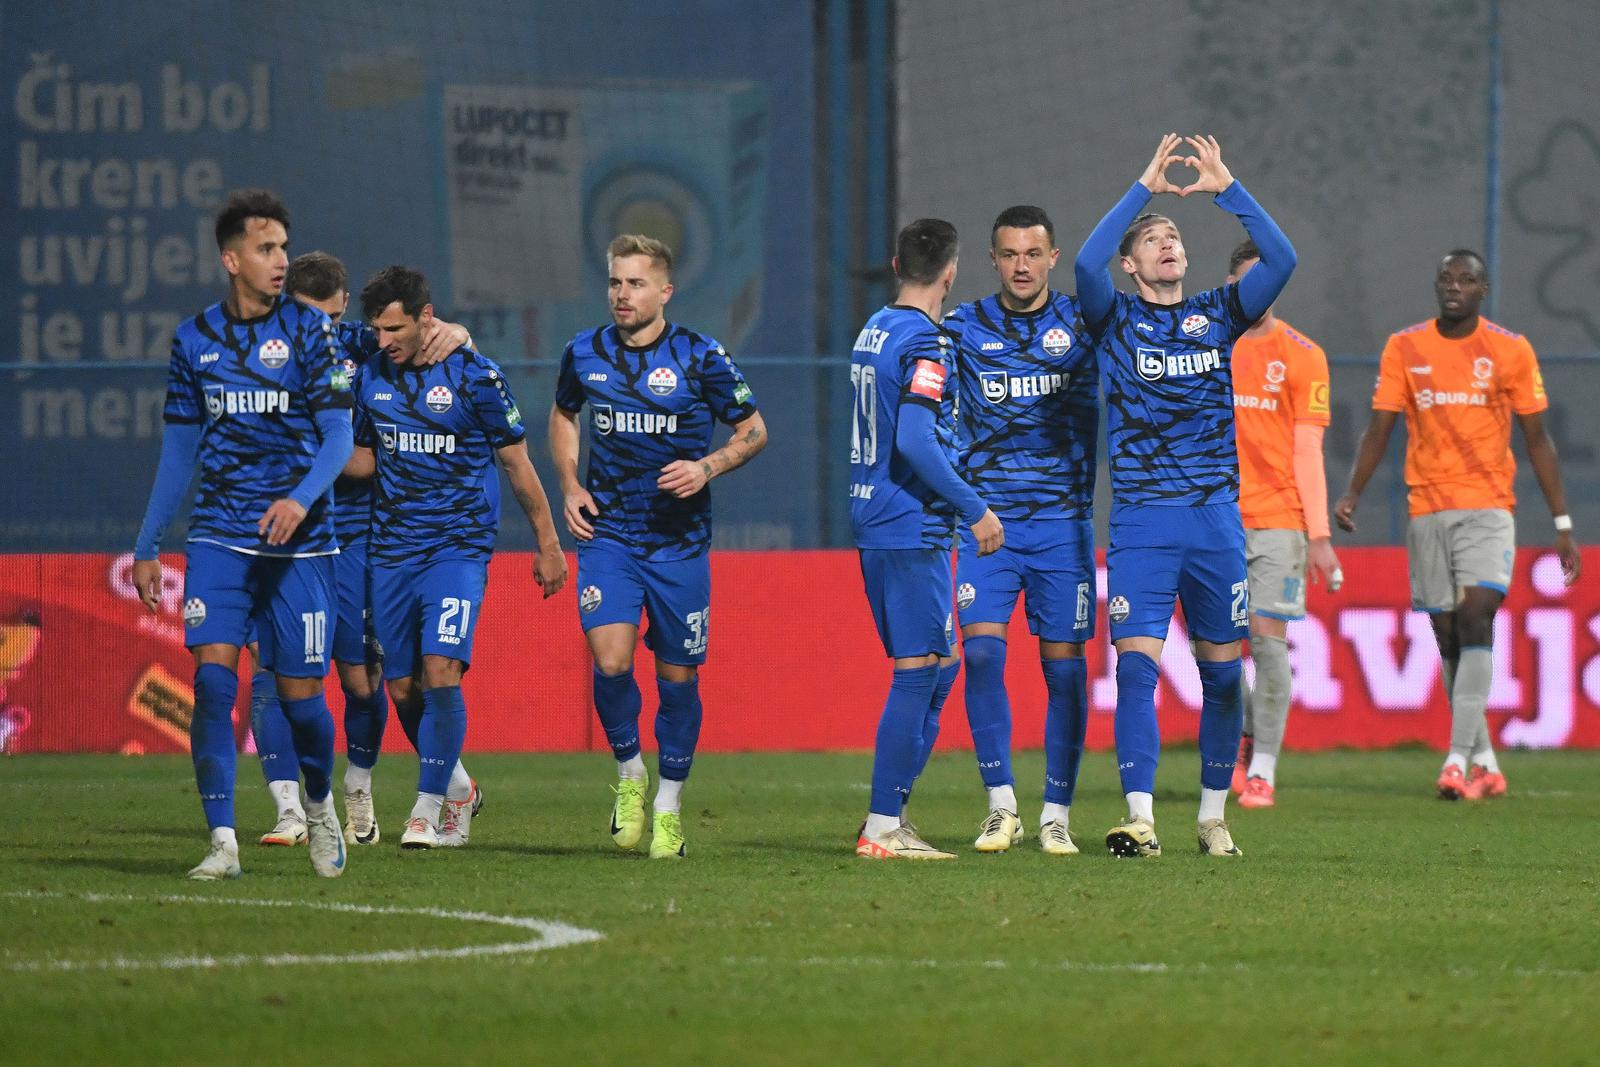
(1277, 562)
(1454, 550)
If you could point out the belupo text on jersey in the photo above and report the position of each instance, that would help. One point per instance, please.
(1154, 363)
(999, 385)
(222, 401)
(428, 444)
(650, 422)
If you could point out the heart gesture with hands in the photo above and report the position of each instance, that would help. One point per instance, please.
(1213, 175)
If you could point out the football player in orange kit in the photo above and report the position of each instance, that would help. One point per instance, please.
(1459, 379)
(1280, 409)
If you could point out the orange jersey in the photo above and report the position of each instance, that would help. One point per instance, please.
(1278, 380)
(1458, 398)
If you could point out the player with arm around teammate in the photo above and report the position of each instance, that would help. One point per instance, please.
(1459, 379)
(257, 398)
(642, 517)
(1175, 531)
(431, 435)
(1029, 386)
(906, 498)
(1280, 409)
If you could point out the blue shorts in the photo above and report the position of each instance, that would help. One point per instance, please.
(909, 592)
(614, 585)
(284, 602)
(426, 609)
(1195, 554)
(352, 633)
(1052, 562)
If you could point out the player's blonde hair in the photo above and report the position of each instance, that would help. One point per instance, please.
(637, 244)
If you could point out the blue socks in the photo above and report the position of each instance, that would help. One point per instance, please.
(274, 742)
(440, 736)
(677, 727)
(211, 744)
(899, 748)
(1138, 739)
(989, 709)
(1066, 721)
(1221, 721)
(930, 722)
(312, 725)
(364, 719)
(617, 700)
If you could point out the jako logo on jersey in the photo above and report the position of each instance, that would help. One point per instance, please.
(595, 376)
(1429, 398)
(1118, 608)
(1056, 342)
(194, 612)
(871, 340)
(1146, 327)
(590, 598)
(966, 596)
(273, 353)
(1195, 325)
(210, 357)
(440, 398)
(222, 401)
(992, 346)
(382, 396)
(662, 381)
(1154, 363)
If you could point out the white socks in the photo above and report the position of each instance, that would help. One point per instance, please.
(878, 825)
(224, 835)
(1263, 765)
(1054, 813)
(319, 809)
(460, 783)
(668, 795)
(286, 795)
(1142, 806)
(631, 768)
(427, 807)
(1486, 760)
(1003, 796)
(1211, 803)
(1456, 759)
(357, 779)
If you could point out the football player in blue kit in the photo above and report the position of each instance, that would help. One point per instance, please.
(1030, 420)
(642, 517)
(319, 280)
(1175, 530)
(259, 400)
(432, 435)
(906, 499)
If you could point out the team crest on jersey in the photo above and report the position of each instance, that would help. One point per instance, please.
(216, 402)
(194, 612)
(1056, 341)
(966, 596)
(590, 598)
(996, 385)
(273, 353)
(1118, 609)
(1276, 372)
(602, 418)
(662, 381)
(440, 398)
(1195, 325)
(1482, 368)
(389, 434)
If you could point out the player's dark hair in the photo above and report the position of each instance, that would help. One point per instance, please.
(317, 275)
(924, 249)
(244, 205)
(1466, 253)
(1243, 252)
(391, 285)
(1023, 217)
(1139, 225)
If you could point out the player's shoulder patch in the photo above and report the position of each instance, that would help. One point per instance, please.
(1496, 328)
(1298, 338)
(1424, 324)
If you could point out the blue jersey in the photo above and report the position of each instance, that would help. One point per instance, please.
(1029, 414)
(900, 357)
(352, 497)
(256, 386)
(434, 431)
(649, 407)
(1169, 398)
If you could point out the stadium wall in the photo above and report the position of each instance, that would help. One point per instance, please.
(796, 664)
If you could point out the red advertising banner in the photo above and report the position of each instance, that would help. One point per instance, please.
(795, 663)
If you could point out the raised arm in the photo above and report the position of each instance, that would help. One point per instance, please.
(1277, 254)
(1092, 267)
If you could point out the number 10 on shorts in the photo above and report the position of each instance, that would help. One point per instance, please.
(316, 628)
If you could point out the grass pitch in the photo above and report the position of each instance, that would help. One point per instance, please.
(1367, 922)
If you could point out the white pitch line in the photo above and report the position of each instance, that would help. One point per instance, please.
(1151, 967)
(551, 935)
